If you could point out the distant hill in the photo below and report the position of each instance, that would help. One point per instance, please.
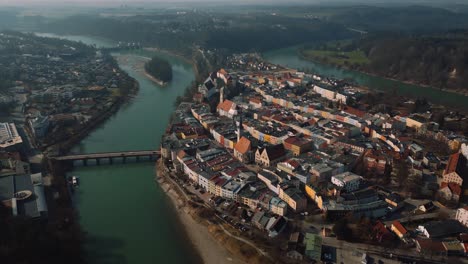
(400, 19)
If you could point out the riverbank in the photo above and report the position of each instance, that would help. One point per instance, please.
(64, 146)
(458, 91)
(208, 248)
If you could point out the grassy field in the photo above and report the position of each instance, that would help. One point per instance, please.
(337, 57)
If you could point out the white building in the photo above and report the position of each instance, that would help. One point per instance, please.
(9, 135)
(462, 216)
(347, 180)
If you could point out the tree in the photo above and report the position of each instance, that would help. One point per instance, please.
(159, 68)
(342, 230)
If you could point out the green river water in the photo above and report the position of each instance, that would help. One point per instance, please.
(126, 215)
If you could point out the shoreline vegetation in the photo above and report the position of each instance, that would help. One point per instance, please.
(329, 58)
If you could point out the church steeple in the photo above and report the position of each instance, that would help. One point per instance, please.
(239, 127)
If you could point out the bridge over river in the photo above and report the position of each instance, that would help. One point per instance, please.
(110, 156)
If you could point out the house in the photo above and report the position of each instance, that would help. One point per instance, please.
(270, 155)
(276, 225)
(227, 108)
(450, 191)
(431, 161)
(293, 197)
(462, 216)
(278, 206)
(430, 247)
(456, 169)
(454, 248)
(381, 233)
(270, 179)
(313, 246)
(399, 229)
(347, 180)
(441, 229)
(298, 145)
(243, 150)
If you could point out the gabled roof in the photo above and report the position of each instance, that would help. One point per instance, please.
(243, 145)
(457, 163)
(275, 152)
(399, 227)
(226, 105)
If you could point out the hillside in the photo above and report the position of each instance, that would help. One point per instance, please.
(439, 61)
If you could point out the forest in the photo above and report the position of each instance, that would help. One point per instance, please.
(159, 68)
(439, 60)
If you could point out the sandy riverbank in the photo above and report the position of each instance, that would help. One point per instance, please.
(208, 248)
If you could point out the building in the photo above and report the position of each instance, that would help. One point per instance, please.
(298, 145)
(227, 108)
(243, 150)
(381, 233)
(293, 197)
(456, 169)
(39, 126)
(313, 246)
(9, 136)
(270, 156)
(462, 216)
(441, 229)
(430, 247)
(278, 206)
(347, 180)
(399, 229)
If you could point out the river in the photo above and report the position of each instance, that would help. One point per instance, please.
(126, 215)
(289, 57)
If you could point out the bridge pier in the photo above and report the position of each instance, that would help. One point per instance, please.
(98, 161)
(111, 160)
(85, 162)
(124, 159)
(137, 158)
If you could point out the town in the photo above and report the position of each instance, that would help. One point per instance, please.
(308, 168)
(52, 93)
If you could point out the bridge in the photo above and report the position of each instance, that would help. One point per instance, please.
(110, 156)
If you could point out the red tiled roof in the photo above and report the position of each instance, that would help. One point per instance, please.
(181, 154)
(226, 105)
(399, 227)
(354, 111)
(452, 163)
(294, 163)
(243, 145)
(430, 245)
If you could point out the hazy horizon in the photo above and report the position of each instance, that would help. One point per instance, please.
(59, 3)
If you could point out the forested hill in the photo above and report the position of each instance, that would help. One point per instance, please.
(159, 68)
(439, 61)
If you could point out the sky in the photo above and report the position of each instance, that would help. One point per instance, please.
(129, 2)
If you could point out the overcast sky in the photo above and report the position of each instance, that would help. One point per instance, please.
(129, 2)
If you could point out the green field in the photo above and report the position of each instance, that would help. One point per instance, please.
(342, 58)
